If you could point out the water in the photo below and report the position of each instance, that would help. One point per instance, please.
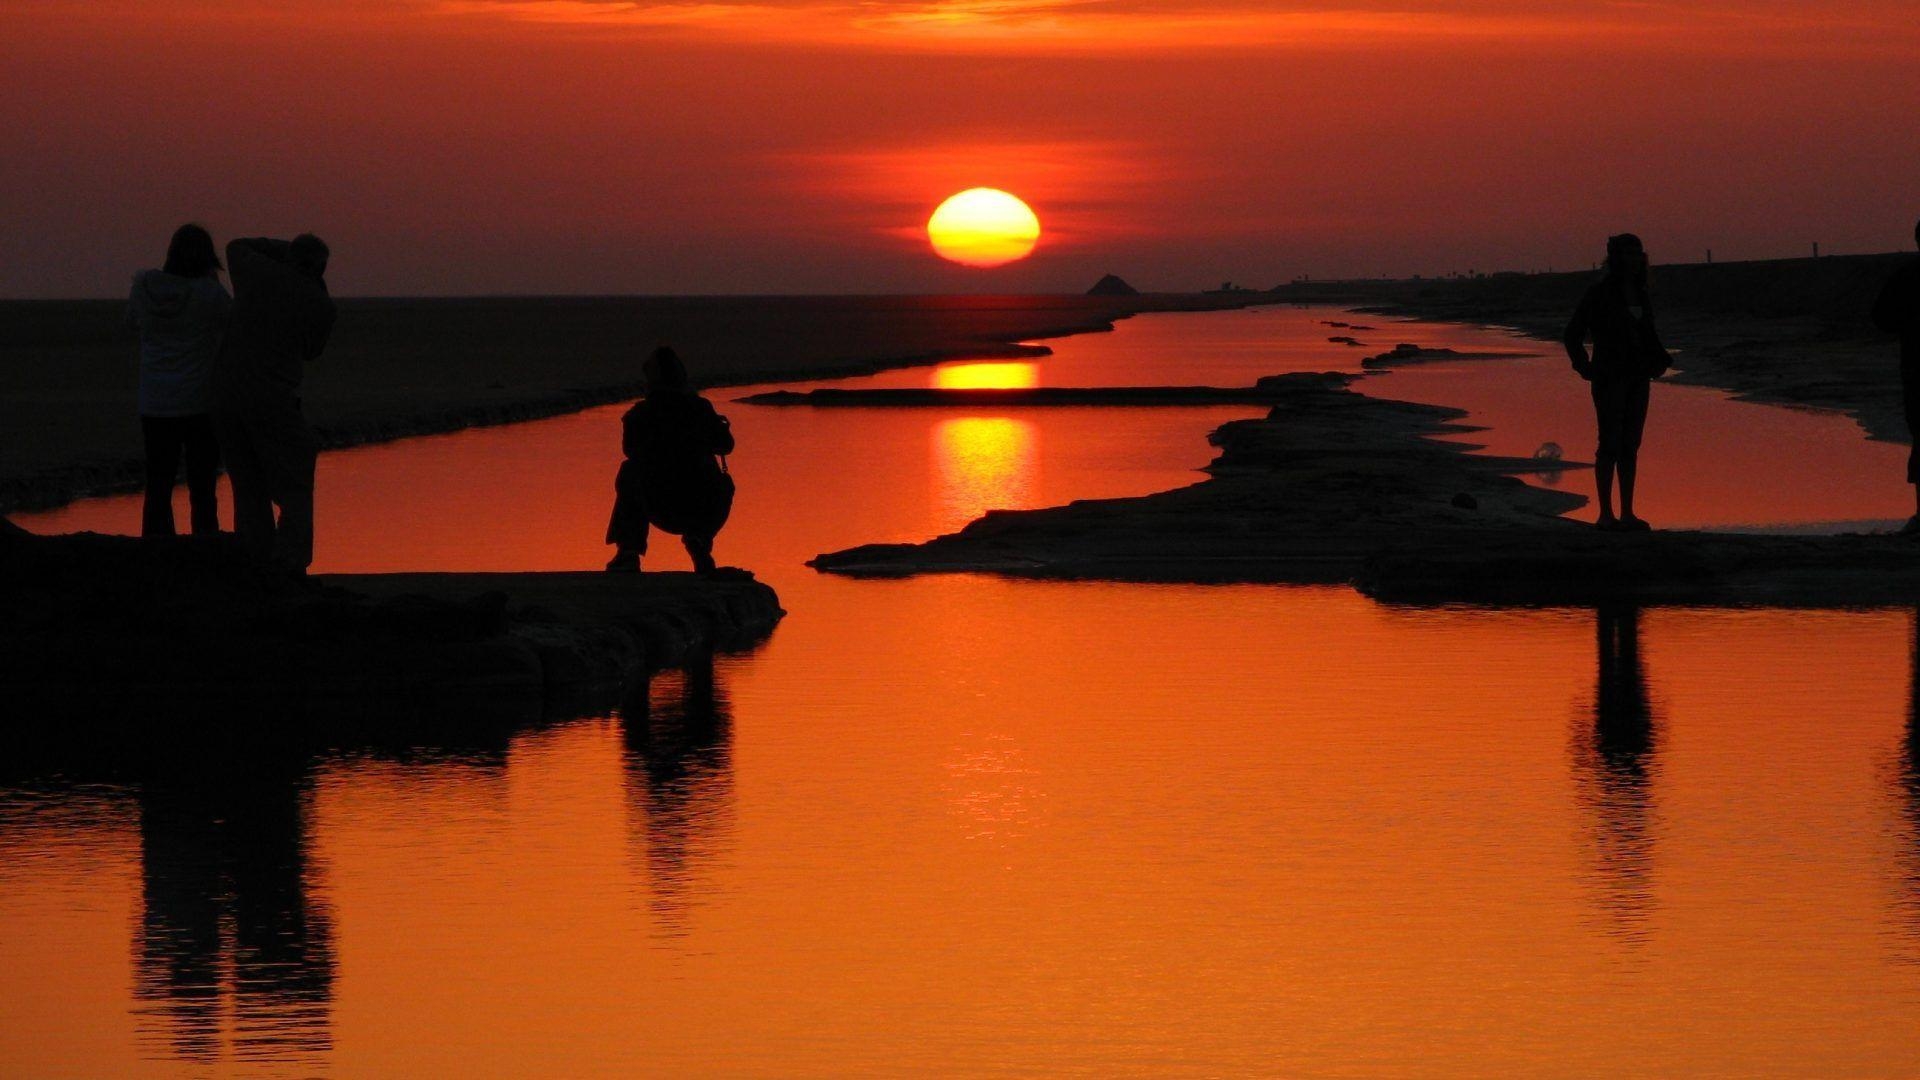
(966, 826)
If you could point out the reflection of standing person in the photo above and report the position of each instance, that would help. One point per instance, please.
(1627, 355)
(180, 312)
(671, 479)
(282, 316)
(1615, 759)
(228, 932)
(1897, 311)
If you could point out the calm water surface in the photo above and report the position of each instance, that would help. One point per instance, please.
(964, 826)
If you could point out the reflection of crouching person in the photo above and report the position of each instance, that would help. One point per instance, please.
(672, 479)
(282, 316)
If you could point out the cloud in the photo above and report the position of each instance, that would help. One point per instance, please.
(1091, 26)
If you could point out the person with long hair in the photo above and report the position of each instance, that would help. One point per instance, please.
(672, 478)
(180, 312)
(1627, 356)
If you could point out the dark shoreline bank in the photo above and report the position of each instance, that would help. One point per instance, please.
(1791, 332)
(400, 368)
(115, 626)
(1335, 487)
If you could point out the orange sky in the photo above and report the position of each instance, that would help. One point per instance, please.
(448, 146)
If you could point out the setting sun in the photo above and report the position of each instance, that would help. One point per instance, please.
(983, 227)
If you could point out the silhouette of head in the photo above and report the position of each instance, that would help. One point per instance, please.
(190, 253)
(310, 254)
(1627, 258)
(665, 373)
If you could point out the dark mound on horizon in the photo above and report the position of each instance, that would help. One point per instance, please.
(1112, 285)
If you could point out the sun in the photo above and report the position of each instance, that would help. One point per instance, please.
(983, 227)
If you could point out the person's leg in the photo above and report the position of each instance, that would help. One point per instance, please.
(700, 550)
(162, 437)
(627, 527)
(252, 508)
(291, 452)
(698, 538)
(1910, 398)
(1603, 453)
(203, 472)
(1633, 425)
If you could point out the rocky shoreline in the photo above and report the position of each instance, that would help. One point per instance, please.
(112, 625)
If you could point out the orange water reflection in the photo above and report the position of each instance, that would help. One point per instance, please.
(986, 375)
(984, 463)
(969, 826)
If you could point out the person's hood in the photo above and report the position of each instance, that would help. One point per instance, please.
(162, 294)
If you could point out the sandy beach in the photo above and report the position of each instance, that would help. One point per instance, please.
(399, 367)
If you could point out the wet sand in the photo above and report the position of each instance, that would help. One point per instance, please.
(399, 367)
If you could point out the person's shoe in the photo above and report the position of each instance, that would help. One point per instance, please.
(704, 567)
(1634, 524)
(1607, 523)
(624, 563)
(1912, 527)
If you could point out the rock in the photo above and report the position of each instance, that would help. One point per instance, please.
(1465, 501)
(1112, 285)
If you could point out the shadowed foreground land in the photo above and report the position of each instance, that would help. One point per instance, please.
(117, 624)
(1333, 486)
(411, 367)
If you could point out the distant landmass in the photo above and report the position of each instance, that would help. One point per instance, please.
(1112, 285)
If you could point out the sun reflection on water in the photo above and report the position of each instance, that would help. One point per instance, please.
(991, 375)
(983, 463)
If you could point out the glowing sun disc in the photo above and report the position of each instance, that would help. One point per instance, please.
(983, 227)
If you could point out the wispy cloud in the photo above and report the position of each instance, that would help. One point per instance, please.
(1120, 25)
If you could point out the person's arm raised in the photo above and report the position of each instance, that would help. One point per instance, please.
(256, 257)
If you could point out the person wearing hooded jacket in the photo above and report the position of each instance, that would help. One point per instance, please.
(671, 479)
(180, 312)
(282, 317)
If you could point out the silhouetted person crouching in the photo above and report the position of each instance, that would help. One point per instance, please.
(1627, 356)
(672, 478)
(282, 316)
(180, 312)
(1897, 311)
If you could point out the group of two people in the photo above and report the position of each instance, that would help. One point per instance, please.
(220, 381)
(1616, 312)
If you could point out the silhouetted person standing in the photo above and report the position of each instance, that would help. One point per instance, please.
(180, 312)
(672, 478)
(1627, 356)
(282, 316)
(1897, 311)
